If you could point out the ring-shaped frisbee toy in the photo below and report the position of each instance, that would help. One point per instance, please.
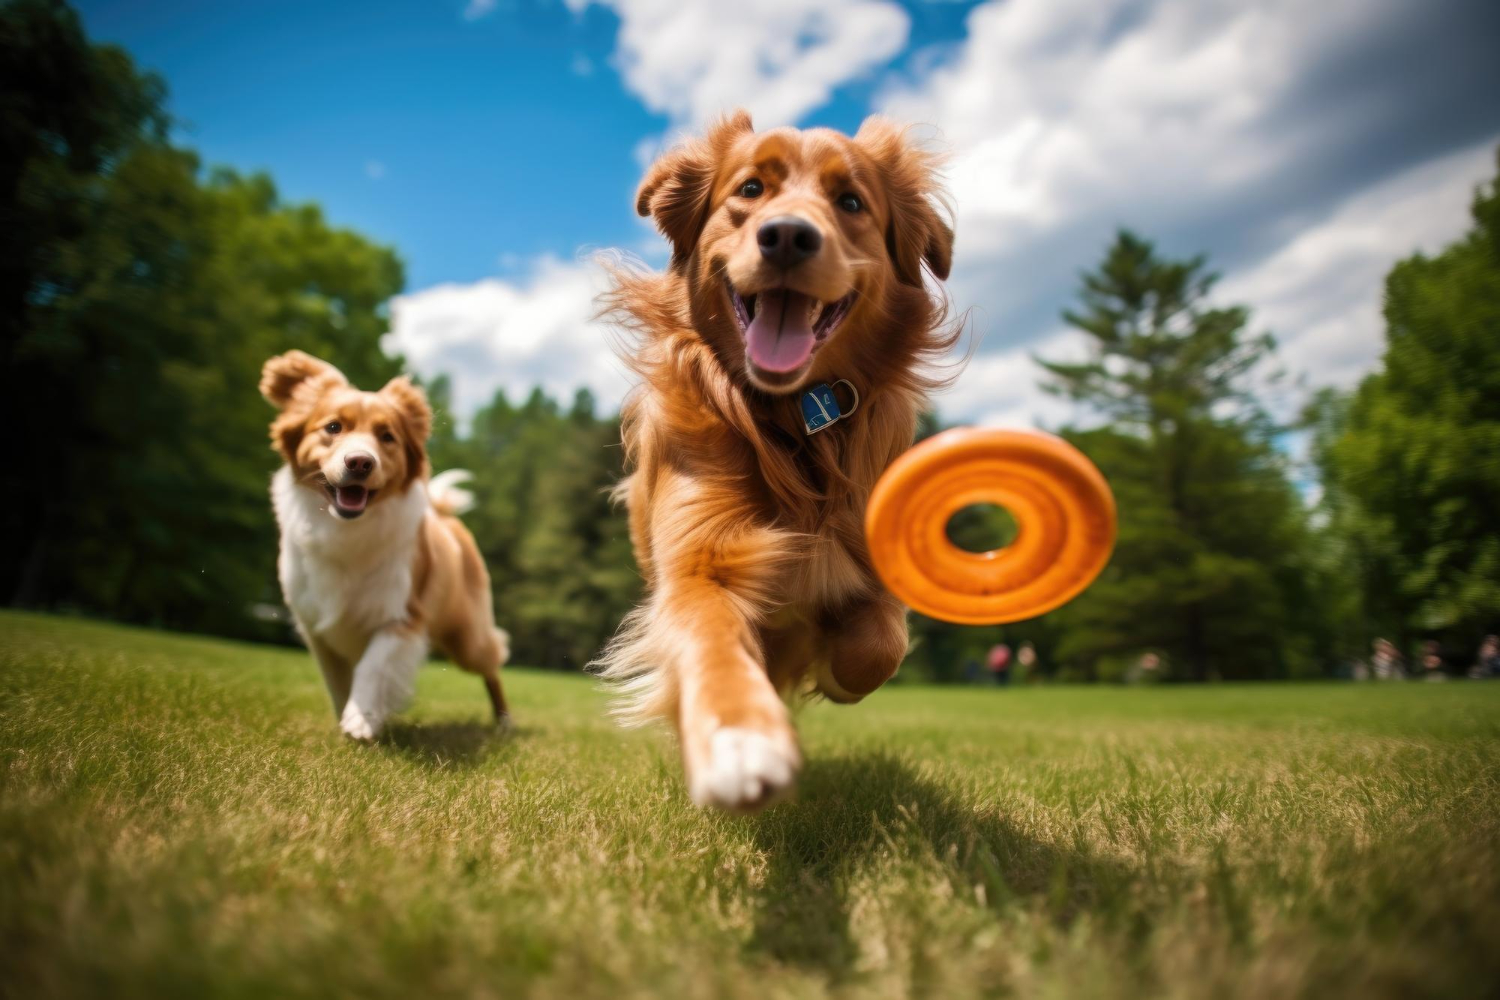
(1063, 508)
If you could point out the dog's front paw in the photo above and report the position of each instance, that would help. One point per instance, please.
(357, 725)
(745, 769)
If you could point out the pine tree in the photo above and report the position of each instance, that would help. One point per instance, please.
(1207, 570)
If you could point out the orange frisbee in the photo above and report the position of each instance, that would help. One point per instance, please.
(1065, 521)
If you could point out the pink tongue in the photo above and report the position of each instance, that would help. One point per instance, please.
(352, 497)
(780, 338)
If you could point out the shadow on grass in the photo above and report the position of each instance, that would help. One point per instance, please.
(854, 813)
(448, 744)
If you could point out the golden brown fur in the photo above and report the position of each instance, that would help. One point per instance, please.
(748, 530)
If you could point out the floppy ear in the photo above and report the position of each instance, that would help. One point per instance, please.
(411, 404)
(295, 375)
(678, 186)
(289, 381)
(916, 233)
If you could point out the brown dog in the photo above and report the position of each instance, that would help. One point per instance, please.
(374, 564)
(797, 261)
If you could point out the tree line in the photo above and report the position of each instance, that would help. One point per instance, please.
(140, 293)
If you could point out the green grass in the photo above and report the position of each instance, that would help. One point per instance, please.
(179, 816)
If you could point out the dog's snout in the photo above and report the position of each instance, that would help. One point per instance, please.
(788, 240)
(359, 464)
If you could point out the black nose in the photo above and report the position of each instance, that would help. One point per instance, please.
(787, 240)
(359, 464)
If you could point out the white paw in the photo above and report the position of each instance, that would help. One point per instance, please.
(745, 770)
(357, 725)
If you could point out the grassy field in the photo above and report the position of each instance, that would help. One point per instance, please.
(179, 816)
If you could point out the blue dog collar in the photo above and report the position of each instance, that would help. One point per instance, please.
(820, 408)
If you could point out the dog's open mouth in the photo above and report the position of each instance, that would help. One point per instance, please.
(782, 328)
(350, 501)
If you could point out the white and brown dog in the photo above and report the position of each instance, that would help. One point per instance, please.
(374, 563)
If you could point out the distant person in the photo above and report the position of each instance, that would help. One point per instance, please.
(972, 673)
(1026, 659)
(1386, 662)
(1359, 670)
(1487, 662)
(1432, 661)
(999, 663)
(1144, 668)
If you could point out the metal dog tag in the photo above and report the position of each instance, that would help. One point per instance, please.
(820, 408)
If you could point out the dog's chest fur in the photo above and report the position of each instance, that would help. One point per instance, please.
(343, 580)
(832, 565)
(832, 569)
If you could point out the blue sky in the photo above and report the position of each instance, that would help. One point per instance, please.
(473, 144)
(1305, 147)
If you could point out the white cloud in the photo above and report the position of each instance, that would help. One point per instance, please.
(646, 149)
(1052, 116)
(512, 335)
(477, 9)
(1055, 111)
(693, 59)
(1002, 388)
(1200, 124)
(1211, 126)
(1321, 292)
(581, 65)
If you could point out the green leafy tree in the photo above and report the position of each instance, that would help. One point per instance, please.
(1411, 462)
(69, 114)
(1209, 570)
(558, 549)
(142, 302)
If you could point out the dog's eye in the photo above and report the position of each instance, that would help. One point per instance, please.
(387, 437)
(334, 427)
(752, 188)
(850, 203)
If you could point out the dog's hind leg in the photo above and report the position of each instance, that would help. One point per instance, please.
(484, 653)
(383, 679)
(497, 699)
(499, 655)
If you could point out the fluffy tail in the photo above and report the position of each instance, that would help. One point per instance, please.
(447, 496)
